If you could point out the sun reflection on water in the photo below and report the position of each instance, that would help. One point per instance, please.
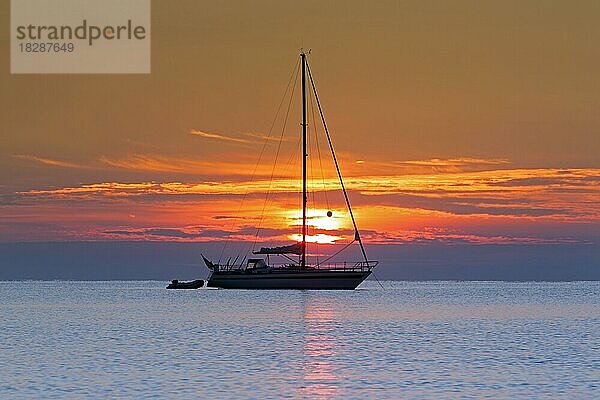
(321, 378)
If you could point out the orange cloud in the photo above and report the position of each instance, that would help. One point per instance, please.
(49, 162)
(500, 206)
(241, 165)
(575, 191)
(186, 166)
(456, 162)
(414, 167)
(209, 135)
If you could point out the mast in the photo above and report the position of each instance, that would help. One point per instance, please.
(304, 156)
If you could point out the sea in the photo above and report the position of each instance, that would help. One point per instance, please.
(400, 340)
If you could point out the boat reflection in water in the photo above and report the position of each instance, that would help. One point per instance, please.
(321, 377)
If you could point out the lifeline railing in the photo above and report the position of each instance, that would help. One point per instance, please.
(337, 266)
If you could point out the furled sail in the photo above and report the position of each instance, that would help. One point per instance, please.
(208, 263)
(295, 248)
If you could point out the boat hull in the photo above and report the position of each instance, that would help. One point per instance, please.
(197, 284)
(319, 279)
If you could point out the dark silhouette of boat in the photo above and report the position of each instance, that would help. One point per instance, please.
(175, 284)
(291, 276)
(259, 273)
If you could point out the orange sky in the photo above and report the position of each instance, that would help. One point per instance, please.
(461, 122)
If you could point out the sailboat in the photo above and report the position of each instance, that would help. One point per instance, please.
(258, 273)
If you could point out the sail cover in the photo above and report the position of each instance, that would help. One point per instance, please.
(208, 263)
(295, 248)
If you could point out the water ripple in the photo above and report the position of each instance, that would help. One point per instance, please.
(66, 339)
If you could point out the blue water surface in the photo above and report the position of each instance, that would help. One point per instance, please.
(135, 339)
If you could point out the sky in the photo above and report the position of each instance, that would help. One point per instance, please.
(458, 122)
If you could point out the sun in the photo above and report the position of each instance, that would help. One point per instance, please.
(319, 238)
(318, 219)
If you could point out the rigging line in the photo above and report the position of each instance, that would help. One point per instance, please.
(288, 257)
(337, 167)
(298, 188)
(268, 192)
(295, 68)
(311, 128)
(276, 157)
(312, 109)
(336, 253)
(292, 162)
(275, 162)
(375, 276)
(316, 140)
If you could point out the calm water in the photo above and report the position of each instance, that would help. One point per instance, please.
(412, 340)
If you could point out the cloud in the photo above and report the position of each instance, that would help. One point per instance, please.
(449, 236)
(217, 136)
(279, 236)
(141, 162)
(50, 162)
(244, 165)
(559, 180)
(511, 205)
(247, 233)
(413, 167)
(456, 162)
(520, 193)
(158, 232)
(271, 138)
(222, 168)
(177, 233)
